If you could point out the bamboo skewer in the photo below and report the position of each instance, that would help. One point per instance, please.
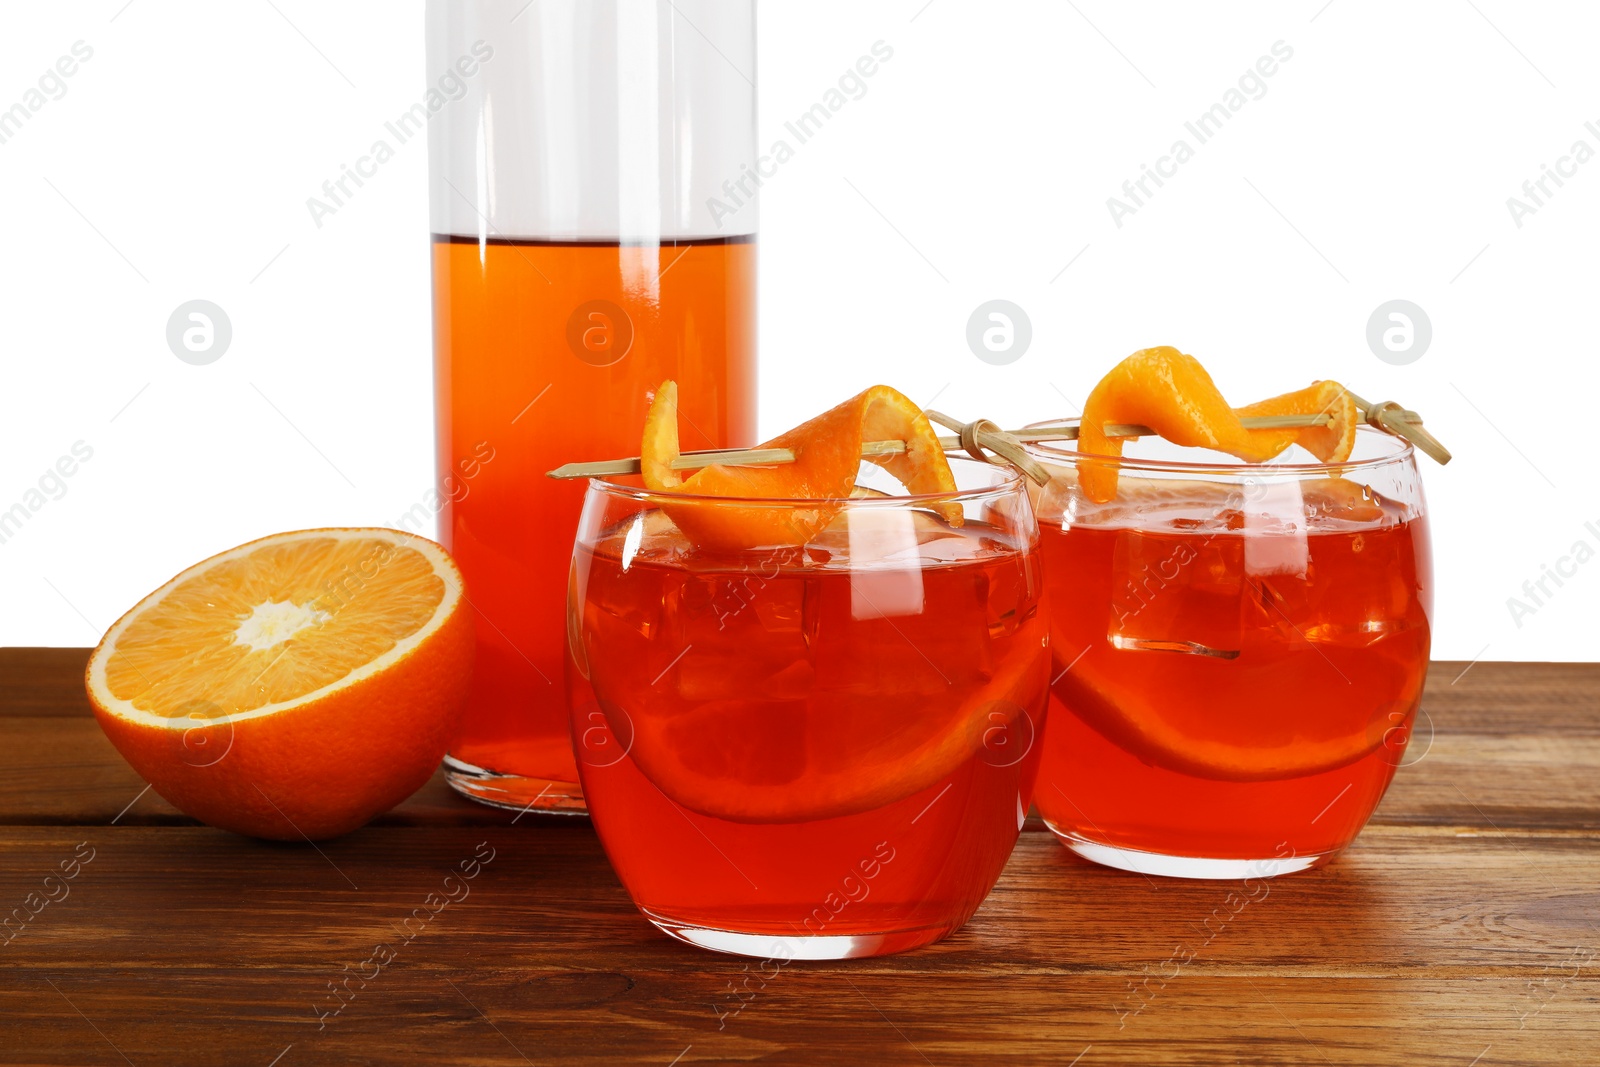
(1392, 418)
(976, 437)
(1065, 432)
(980, 435)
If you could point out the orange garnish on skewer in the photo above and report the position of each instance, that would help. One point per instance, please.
(709, 746)
(1331, 443)
(1172, 394)
(827, 458)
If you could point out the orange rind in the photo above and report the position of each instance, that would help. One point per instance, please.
(827, 458)
(1171, 393)
(1332, 443)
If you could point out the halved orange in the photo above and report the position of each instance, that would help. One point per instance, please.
(827, 457)
(293, 687)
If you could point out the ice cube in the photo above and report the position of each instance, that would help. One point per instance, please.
(1173, 592)
(1275, 530)
(1272, 604)
(649, 535)
(885, 563)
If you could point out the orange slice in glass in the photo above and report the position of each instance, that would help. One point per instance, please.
(827, 457)
(845, 749)
(293, 687)
(1260, 739)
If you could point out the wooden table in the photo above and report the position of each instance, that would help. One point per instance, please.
(1462, 928)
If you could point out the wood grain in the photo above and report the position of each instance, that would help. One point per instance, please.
(37, 681)
(1463, 927)
(59, 769)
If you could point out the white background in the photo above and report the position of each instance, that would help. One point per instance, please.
(1377, 166)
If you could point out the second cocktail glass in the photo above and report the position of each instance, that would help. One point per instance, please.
(1239, 653)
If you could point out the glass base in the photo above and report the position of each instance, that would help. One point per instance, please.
(801, 947)
(514, 792)
(1168, 866)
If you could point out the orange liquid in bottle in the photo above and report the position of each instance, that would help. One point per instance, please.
(545, 353)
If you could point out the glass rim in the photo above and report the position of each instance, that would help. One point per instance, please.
(1404, 452)
(1008, 479)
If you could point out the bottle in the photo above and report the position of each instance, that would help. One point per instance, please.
(594, 217)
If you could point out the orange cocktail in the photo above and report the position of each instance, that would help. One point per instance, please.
(1240, 605)
(1237, 667)
(805, 725)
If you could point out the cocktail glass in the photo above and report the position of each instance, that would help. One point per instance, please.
(1239, 653)
(816, 751)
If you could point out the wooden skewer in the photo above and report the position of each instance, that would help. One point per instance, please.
(731, 457)
(1391, 418)
(981, 436)
(1388, 416)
